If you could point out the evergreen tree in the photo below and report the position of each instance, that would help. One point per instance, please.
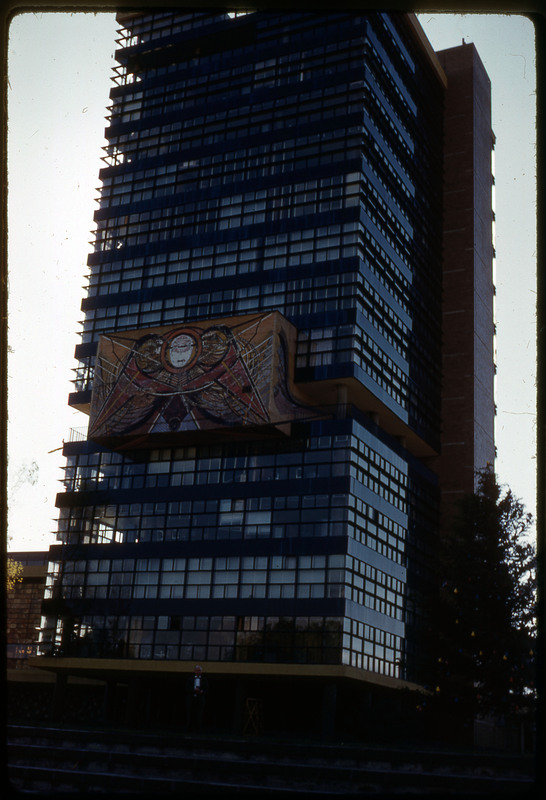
(485, 614)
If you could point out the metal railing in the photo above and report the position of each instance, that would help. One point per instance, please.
(77, 434)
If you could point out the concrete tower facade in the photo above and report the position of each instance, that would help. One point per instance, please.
(261, 359)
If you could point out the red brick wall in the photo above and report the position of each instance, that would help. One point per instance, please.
(23, 615)
(468, 410)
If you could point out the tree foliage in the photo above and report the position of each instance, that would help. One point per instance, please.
(485, 612)
(14, 572)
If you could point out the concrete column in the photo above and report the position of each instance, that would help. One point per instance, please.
(136, 707)
(238, 705)
(342, 396)
(59, 692)
(108, 699)
(329, 703)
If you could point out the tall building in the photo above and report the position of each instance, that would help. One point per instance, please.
(468, 437)
(261, 360)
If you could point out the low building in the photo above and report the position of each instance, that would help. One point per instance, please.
(24, 608)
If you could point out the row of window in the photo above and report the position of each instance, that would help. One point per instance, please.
(146, 522)
(372, 218)
(303, 55)
(167, 181)
(202, 578)
(387, 76)
(298, 35)
(233, 577)
(299, 639)
(394, 187)
(386, 270)
(213, 260)
(389, 484)
(185, 97)
(318, 347)
(196, 519)
(243, 121)
(373, 649)
(257, 72)
(233, 211)
(244, 163)
(200, 171)
(274, 69)
(279, 203)
(242, 256)
(387, 33)
(377, 531)
(144, 27)
(387, 117)
(211, 305)
(388, 215)
(300, 298)
(384, 601)
(384, 318)
(185, 520)
(186, 471)
(320, 640)
(200, 474)
(219, 260)
(382, 479)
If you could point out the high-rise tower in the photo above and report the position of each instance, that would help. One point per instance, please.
(261, 361)
(468, 438)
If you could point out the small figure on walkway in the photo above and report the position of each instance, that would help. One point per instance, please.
(196, 691)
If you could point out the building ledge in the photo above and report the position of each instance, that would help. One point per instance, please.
(31, 675)
(104, 668)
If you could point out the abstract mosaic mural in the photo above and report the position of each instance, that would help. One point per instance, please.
(196, 376)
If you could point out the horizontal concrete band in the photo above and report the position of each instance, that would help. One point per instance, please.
(107, 667)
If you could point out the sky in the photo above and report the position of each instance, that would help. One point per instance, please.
(59, 72)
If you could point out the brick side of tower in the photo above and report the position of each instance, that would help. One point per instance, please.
(468, 410)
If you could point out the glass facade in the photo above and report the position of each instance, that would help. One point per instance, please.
(265, 162)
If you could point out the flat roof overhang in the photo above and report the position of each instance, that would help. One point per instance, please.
(325, 394)
(122, 669)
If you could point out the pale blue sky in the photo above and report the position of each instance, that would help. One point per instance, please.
(59, 73)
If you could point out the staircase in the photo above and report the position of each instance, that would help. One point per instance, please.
(70, 760)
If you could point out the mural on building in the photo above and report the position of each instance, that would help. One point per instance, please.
(196, 376)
